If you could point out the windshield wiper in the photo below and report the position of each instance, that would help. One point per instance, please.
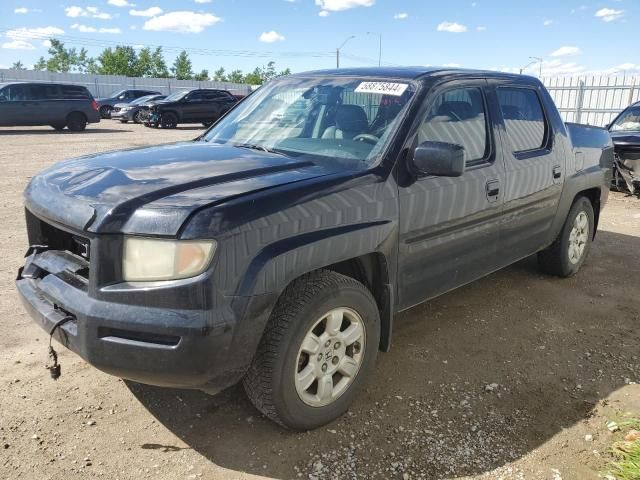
(254, 146)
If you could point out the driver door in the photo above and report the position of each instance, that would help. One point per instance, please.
(449, 226)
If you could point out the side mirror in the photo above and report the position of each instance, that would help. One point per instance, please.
(438, 158)
(607, 126)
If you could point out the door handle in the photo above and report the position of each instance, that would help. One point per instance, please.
(557, 172)
(493, 189)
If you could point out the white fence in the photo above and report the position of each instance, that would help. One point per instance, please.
(594, 100)
(104, 85)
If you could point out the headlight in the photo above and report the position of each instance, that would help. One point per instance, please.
(150, 259)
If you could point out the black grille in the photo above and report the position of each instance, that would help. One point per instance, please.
(54, 238)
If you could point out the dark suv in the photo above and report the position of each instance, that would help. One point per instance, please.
(58, 105)
(121, 96)
(191, 106)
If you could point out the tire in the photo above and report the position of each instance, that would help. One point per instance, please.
(302, 310)
(105, 111)
(58, 127)
(137, 117)
(567, 253)
(76, 122)
(124, 121)
(169, 120)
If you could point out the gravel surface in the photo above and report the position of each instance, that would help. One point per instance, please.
(512, 377)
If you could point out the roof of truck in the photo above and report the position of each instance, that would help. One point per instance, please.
(409, 73)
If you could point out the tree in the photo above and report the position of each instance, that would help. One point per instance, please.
(159, 69)
(255, 77)
(236, 76)
(144, 64)
(121, 60)
(18, 66)
(219, 75)
(203, 76)
(182, 68)
(63, 59)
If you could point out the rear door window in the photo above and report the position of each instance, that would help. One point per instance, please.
(18, 93)
(523, 118)
(458, 116)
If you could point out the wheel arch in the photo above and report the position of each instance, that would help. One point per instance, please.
(594, 196)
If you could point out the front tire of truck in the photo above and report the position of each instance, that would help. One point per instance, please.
(565, 256)
(319, 346)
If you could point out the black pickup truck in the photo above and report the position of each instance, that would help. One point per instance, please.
(276, 248)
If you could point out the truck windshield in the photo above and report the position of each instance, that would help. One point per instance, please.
(345, 119)
(629, 120)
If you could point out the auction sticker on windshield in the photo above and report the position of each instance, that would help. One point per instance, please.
(384, 88)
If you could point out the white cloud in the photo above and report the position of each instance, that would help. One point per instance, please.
(93, 12)
(452, 65)
(270, 37)
(21, 10)
(149, 12)
(18, 45)
(184, 22)
(565, 52)
(121, 3)
(401, 16)
(609, 14)
(339, 5)
(546, 23)
(33, 33)
(481, 28)
(83, 28)
(323, 13)
(46, 43)
(202, 1)
(451, 27)
(88, 29)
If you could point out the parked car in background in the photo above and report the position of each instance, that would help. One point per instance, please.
(204, 105)
(131, 112)
(625, 132)
(121, 96)
(55, 104)
(276, 250)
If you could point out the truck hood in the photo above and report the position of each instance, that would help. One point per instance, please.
(153, 190)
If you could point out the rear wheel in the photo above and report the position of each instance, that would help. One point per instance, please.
(169, 120)
(76, 122)
(316, 352)
(123, 121)
(105, 111)
(565, 256)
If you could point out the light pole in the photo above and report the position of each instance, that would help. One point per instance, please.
(539, 60)
(340, 48)
(379, 46)
(526, 66)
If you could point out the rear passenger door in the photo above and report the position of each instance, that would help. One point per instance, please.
(449, 227)
(534, 169)
(192, 107)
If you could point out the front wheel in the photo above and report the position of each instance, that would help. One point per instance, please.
(565, 256)
(319, 345)
(169, 120)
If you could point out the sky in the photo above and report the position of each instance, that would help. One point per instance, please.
(570, 37)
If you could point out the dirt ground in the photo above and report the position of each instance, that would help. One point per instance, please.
(512, 377)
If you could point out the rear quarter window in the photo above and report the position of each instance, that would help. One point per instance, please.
(72, 92)
(523, 118)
